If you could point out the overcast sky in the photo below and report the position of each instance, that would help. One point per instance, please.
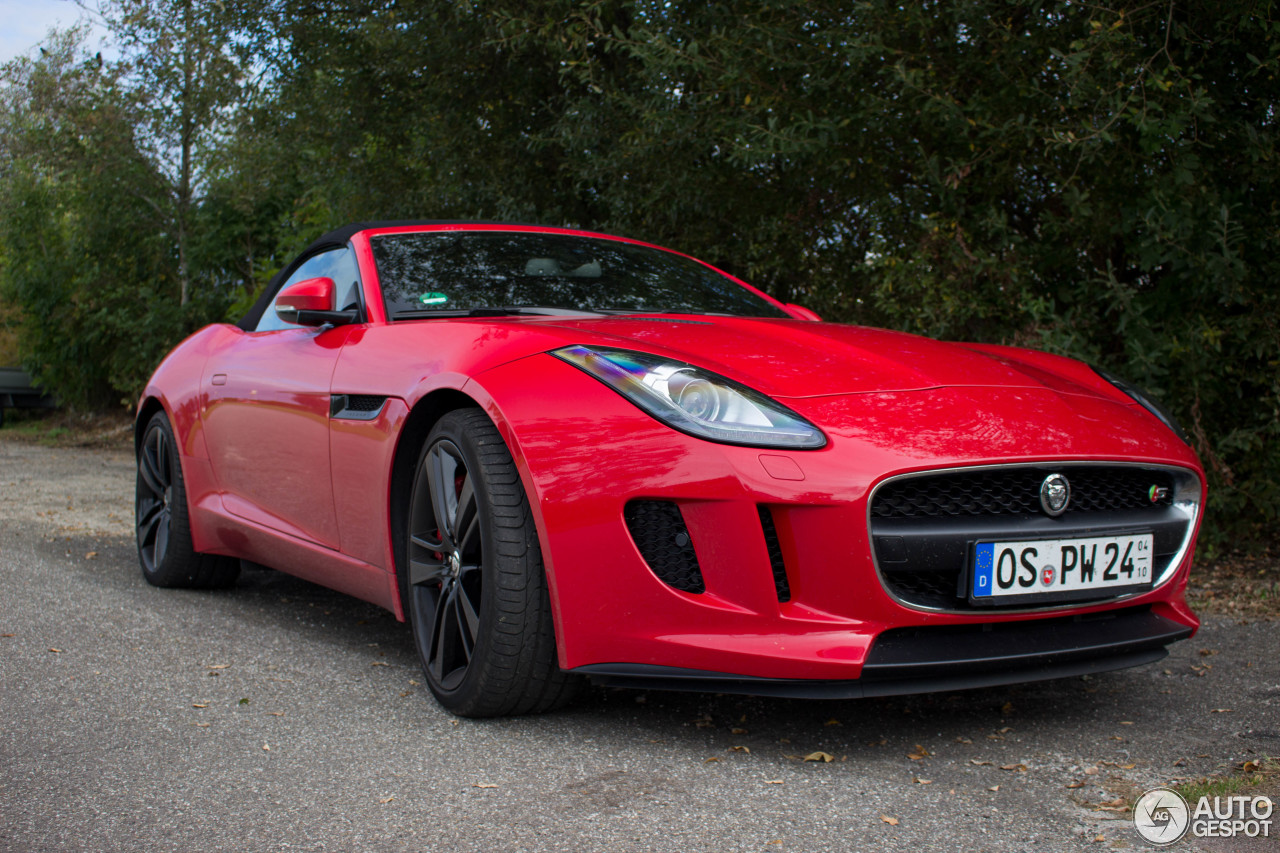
(25, 23)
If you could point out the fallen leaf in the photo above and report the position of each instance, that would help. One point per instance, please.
(979, 763)
(56, 651)
(244, 702)
(1076, 785)
(820, 756)
(920, 781)
(266, 748)
(833, 722)
(386, 800)
(994, 788)
(483, 785)
(1126, 722)
(1116, 737)
(275, 713)
(218, 666)
(1100, 838)
(709, 760)
(1181, 762)
(1204, 653)
(1250, 766)
(8, 635)
(1018, 768)
(1091, 771)
(737, 731)
(1220, 711)
(963, 740)
(773, 781)
(745, 749)
(1006, 708)
(880, 742)
(1127, 766)
(198, 705)
(915, 756)
(892, 821)
(91, 555)
(202, 725)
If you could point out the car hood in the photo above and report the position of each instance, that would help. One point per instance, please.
(790, 358)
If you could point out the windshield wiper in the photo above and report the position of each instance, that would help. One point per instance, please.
(494, 311)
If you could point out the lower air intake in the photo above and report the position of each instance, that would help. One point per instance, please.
(776, 562)
(659, 531)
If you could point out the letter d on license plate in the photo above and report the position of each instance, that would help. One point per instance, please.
(1045, 570)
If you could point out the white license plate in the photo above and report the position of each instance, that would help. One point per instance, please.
(1060, 568)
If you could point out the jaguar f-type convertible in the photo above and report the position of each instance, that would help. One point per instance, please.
(564, 456)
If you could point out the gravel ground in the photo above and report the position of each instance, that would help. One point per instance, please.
(281, 716)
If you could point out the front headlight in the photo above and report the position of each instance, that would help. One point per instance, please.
(696, 401)
(1143, 399)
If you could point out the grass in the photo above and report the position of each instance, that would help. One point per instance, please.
(61, 428)
(1255, 777)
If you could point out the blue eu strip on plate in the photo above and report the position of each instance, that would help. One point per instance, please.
(983, 558)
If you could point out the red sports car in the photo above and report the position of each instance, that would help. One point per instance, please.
(562, 455)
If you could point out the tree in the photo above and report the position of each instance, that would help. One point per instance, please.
(180, 61)
(82, 259)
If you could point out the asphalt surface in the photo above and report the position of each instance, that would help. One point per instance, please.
(281, 716)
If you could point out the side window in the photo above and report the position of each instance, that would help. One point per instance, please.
(337, 264)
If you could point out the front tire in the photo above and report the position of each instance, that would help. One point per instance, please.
(477, 592)
(163, 527)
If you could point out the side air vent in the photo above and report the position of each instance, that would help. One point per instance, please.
(660, 534)
(776, 562)
(356, 407)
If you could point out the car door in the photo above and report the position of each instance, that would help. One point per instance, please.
(267, 413)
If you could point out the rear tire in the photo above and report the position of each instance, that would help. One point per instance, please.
(163, 527)
(477, 593)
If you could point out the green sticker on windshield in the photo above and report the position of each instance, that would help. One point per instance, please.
(433, 299)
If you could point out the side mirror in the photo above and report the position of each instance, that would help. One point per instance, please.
(802, 313)
(310, 303)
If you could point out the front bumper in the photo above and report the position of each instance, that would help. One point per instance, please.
(837, 628)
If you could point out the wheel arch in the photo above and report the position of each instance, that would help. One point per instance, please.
(147, 407)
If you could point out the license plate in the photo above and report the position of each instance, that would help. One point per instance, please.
(1060, 569)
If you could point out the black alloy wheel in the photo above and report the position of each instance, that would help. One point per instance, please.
(446, 562)
(473, 564)
(165, 549)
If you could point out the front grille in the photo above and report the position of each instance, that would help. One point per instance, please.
(924, 527)
(1015, 491)
(660, 534)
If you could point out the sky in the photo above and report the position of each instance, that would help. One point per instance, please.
(25, 23)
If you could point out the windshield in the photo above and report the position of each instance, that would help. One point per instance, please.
(455, 272)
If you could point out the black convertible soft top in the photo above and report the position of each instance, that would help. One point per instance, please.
(335, 239)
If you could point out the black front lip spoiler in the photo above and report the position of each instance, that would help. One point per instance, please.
(931, 659)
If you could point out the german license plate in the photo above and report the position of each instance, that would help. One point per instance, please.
(1060, 569)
